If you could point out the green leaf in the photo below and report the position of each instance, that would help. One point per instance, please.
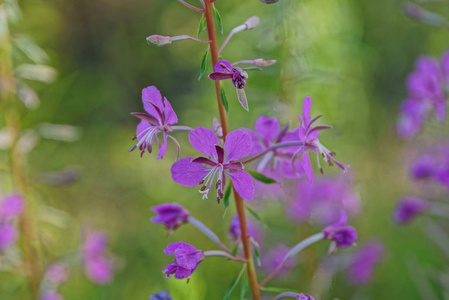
(224, 99)
(255, 215)
(201, 25)
(234, 283)
(278, 289)
(234, 251)
(203, 64)
(226, 196)
(244, 287)
(219, 20)
(257, 256)
(260, 177)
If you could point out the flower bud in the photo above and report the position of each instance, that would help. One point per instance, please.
(251, 23)
(159, 40)
(269, 1)
(260, 62)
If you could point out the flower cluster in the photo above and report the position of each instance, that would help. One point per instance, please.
(97, 262)
(11, 207)
(426, 92)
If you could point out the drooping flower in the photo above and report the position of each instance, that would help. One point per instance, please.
(51, 295)
(57, 273)
(172, 215)
(160, 117)
(274, 257)
(363, 262)
(187, 259)
(224, 70)
(341, 234)
(309, 136)
(322, 200)
(236, 233)
(203, 171)
(97, 262)
(164, 295)
(408, 208)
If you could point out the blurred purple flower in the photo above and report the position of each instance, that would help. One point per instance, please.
(8, 235)
(294, 295)
(364, 261)
(342, 235)
(423, 168)
(95, 244)
(164, 295)
(445, 69)
(408, 208)
(236, 233)
(322, 200)
(309, 135)
(57, 273)
(224, 70)
(11, 206)
(193, 171)
(274, 257)
(187, 259)
(160, 117)
(97, 264)
(172, 215)
(50, 295)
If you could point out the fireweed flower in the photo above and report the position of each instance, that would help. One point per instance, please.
(203, 171)
(57, 273)
(342, 235)
(274, 257)
(322, 200)
(11, 207)
(187, 259)
(309, 136)
(160, 117)
(50, 295)
(172, 215)
(224, 70)
(97, 264)
(8, 235)
(164, 295)
(363, 262)
(236, 233)
(408, 208)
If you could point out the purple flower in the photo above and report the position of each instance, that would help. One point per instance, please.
(423, 168)
(322, 200)
(267, 133)
(11, 206)
(8, 235)
(294, 295)
(236, 233)
(304, 297)
(160, 117)
(224, 70)
(445, 68)
(164, 295)
(172, 215)
(51, 295)
(187, 259)
(274, 257)
(309, 136)
(364, 261)
(203, 171)
(409, 208)
(98, 266)
(342, 235)
(57, 273)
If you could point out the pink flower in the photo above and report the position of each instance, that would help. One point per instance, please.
(172, 215)
(187, 259)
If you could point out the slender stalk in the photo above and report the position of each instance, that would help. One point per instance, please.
(209, 233)
(238, 200)
(223, 254)
(185, 37)
(190, 6)
(271, 148)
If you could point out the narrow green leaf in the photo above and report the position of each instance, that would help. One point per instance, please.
(219, 20)
(260, 177)
(257, 256)
(226, 196)
(224, 99)
(201, 25)
(234, 251)
(234, 283)
(244, 287)
(255, 215)
(203, 64)
(278, 289)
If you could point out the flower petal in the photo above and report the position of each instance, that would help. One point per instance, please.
(171, 248)
(220, 76)
(223, 66)
(188, 173)
(152, 95)
(267, 128)
(141, 127)
(204, 141)
(242, 98)
(162, 148)
(306, 109)
(243, 184)
(182, 273)
(307, 166)
(238, 145)
(170, 115)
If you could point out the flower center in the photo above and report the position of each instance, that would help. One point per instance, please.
(208, 180)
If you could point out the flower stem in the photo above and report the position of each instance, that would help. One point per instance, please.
(223, 119)
(209, 233)
(271, 148)
(223, 254)
(190, 6)
(293, 251)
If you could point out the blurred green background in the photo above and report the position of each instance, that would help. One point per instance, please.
(351, 56)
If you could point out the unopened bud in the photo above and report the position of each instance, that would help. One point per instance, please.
(251, 23)
(260, 62)
(159, 40)
(269, 1)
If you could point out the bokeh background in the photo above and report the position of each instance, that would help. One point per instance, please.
(351, 56)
